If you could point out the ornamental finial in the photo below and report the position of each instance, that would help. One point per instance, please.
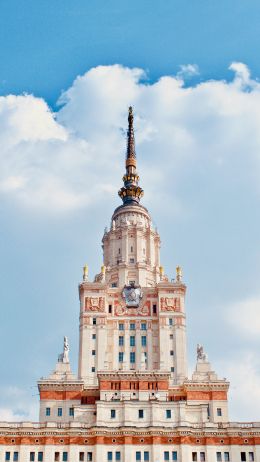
(85, 273)
(178, 273)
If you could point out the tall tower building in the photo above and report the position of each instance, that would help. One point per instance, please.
(132, 317)
(132, 399)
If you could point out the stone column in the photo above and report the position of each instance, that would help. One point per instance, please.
(138, 348)
(150, 348)
(127, 347)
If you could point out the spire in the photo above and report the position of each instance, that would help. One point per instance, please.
(130, 153)
(130, 193)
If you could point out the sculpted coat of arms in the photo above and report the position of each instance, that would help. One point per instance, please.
(94, 304)
(132, 295)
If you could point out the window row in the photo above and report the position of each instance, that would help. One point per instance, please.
(222, 457)
(170, 455)
(139, 456)
(59, 411)
(198, 456)
(121, 326)
(168, 413)
(34, 456)
(247, 456)
(121, 340)
(38, 456)
(15, 456)
(117, 455)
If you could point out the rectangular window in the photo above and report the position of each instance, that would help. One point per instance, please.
(48, 411)
(32, 456)
(146, 455)
(71, 411)
(93, 352)
(120, 340)
(226, 457)
(118, 455)
(172, 369)
(143, 340)
(219, 411)
(132, 326)
(109, 455)
(202, 457)
(7, 455)
(138, 456)
(172, 353)
(81, 457)
(56, 456)
(170, 322)
(15, 457)
(114, 284)
(154, 309)
(121, 326)
(132, 340)
(59, 411)
(143, 325)
(64, 456)
(171, 336)
(40, 456)
(93, 369)
(219, 457)
(132, 357)
(89, 457)
(194, 457)
(131, 260)
(251, 457)
(174, 455)
(141, 413)
(168, 413)
(93, 336)
(243, 457)
(113, 413)
(166, 455)
(120, 356)
(94, 321)
(110, 309)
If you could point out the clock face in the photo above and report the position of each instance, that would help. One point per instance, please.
(132, 296)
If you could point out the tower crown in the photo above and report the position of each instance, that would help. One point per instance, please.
(131, 192)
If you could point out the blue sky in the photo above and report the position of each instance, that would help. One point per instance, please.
(198, 143)
(45, 44)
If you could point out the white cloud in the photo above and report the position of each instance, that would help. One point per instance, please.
(188, 70)
(21, 405)
(46, 158)
(244, 317)
(243, 372)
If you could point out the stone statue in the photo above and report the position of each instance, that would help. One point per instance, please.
(66, 350)
(201, 356)
(64, 357)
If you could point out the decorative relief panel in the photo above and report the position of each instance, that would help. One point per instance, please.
(120, 309)
(170, 304)
(95, 304)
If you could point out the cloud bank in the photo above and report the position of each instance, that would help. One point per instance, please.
(45, 156)
(199, 147)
